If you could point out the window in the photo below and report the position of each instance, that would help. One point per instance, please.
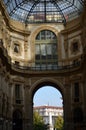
(76, 92)
(16, 48)
(76, 61)
(16, 62)
(17, 93)
(75, 47)
(46, 50)
(45, 34)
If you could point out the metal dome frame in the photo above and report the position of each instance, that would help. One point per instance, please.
(44, 11)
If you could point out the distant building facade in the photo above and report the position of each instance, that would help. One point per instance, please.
(49, 114)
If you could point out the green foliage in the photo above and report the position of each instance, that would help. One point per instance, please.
(59, 123)
(38, 122)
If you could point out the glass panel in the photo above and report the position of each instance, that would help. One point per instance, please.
(54, 49)
(49, 66)
(43, 66)
(43, 51)
(31, 11)
(42, 35)
(49, 49)
(38, 57)
(37, 49)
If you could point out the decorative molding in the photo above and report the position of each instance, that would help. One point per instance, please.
(75, 50)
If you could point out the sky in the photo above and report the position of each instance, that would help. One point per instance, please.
(47, 96)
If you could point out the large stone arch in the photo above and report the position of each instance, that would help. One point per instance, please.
(38, 84)
(44, 27)
(47, 81)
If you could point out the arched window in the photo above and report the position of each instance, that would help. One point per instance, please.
(46, 55)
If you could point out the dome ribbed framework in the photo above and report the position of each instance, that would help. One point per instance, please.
(43, 11)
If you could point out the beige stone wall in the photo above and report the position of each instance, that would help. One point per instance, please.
(26, 55)
(5, 98)
(84, 58)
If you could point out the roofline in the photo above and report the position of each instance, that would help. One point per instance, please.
(46, 106)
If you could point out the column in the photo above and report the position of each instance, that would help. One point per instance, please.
(50, 121)
(67, 107)
(27, 109)
(1, 118)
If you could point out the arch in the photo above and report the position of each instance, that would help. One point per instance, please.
(46, 81)
(17, 120)
(48, 31)
(43, 27)
(56, 83)
(39, 29)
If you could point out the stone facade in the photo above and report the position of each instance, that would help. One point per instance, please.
(19, 81)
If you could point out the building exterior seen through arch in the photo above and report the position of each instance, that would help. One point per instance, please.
(49, 114)
(39, 50)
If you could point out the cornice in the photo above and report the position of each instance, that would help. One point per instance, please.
(72, 26)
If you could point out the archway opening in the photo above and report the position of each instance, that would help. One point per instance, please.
(48, 95)
(48, 103)
(17, 120)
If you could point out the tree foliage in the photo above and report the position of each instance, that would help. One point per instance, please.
(59, 123)
(38, 122)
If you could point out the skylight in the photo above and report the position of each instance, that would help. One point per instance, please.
(43, 11)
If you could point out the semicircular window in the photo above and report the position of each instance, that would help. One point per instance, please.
(46, 56)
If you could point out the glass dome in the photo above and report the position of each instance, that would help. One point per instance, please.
(43, 11)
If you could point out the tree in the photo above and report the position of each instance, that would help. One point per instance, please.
(38, 122)
(59, 123)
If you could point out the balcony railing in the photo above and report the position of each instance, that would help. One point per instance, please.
(46, 68)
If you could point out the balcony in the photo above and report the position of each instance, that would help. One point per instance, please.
(47, 68)
(53, 68)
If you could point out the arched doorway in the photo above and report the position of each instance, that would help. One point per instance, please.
(53, 85)
(17, 120)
